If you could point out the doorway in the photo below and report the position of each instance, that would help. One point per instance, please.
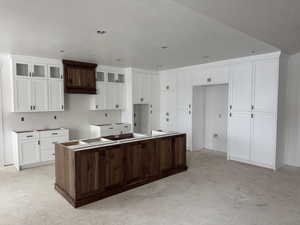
(210, 109)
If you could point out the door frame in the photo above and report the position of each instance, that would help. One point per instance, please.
(1, 122)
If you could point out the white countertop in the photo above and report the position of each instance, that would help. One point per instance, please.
(139, 137)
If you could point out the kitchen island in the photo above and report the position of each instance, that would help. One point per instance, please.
(93, 169)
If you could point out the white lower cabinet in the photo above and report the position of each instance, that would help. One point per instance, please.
(36, 147)
(29, 152)
(103, 130)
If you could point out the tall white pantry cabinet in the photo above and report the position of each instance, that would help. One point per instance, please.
(252, 122)
(252, 104)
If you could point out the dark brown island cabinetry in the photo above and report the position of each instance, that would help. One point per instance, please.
(80, 77)
(89, 175)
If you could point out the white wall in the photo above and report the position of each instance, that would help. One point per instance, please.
(289, 110)
(215, 128)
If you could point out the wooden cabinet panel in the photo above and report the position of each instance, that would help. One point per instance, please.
(90, 172)
(114, 167)
(133, 166)
(179, 145)
(150, 158)
(105, 171)
(80, 77)
(164, 146)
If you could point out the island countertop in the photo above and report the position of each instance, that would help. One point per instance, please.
(85, 144)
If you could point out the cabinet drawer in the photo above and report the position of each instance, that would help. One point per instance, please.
(47, 155)
(109, 130)
(28, 136)
(53, 133)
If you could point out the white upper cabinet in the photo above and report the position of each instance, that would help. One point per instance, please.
(240, 87)
(111, 90)
(55, 71)
(265, 82)
(22, 95)
(184, 89)
(168, 81)
(141, 83)
(39, 71)
(39, 93)
(56, 95)
(34, 86)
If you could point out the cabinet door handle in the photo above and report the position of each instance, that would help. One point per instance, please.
(167, 87)
(62, 107)
(142, 99)
(230, 107)
(252, 107)
(31, 107)
(54, 133)
(96, 106)
(190, 112)
(252, 116)
(167, 119)
(29, 136)
(230, 114)
(39, 142)
(167, 114)
(208, 80)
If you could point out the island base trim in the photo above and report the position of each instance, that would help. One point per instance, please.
(80, 202)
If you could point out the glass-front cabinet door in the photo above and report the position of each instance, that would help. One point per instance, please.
(55, 72)
(22, 69)
(39, 71)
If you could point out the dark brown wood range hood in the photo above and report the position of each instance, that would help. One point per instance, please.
(80, 77)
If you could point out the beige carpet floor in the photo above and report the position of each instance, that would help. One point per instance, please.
(213, 191)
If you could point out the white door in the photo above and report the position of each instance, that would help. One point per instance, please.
(263, 139)
(239, 131)
(184, 124)
(39, 91)
(29, 152)
(184, 90)
(111, 95)
(145, 86)
(137, 83)
(22, 101)
(120, 95)
(240, 87)
(101, 96)
(265, 86)
(56, 95)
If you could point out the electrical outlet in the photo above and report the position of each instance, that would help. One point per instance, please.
(22, 119)
(55, 117)
(106, 114)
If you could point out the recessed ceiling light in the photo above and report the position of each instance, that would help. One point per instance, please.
(61, 51)
(101, 32)
(118, 60)
(253, 51)
(164, 47)
(206, 57)
(159, 66)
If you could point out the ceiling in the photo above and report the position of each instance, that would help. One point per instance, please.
(276, 22)
(136, 31)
